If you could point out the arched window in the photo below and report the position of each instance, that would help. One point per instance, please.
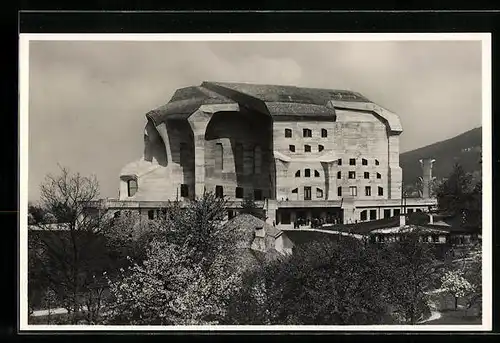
(316, 173)
(257, 159)
(132, 187)
(219, 157)
(297, 173)
(288, 133)
(324, 133)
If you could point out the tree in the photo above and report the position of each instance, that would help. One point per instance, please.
(248, 206)
(456, 284)
(73, 252)
(187, 275)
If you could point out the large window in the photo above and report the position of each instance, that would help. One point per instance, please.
(219, 191)
(380, 191)
(307, 193)
(307, 148)
(363, 215)
(307, 173)
(132, 187)
(387, 213)
(368, 191)
(306, 133)
(219, 157)
(324, 133)
(373, 214)
(288, 133)
(353, 190)
(239, 192)
(352, 175)
(184, 191)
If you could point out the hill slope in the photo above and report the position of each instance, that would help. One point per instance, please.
(464, 149)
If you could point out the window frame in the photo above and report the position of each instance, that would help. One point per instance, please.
(355, 189)
(368, 191)
(339, 191)
(307, 172)
(352, 161)
(339, 175)
(130, 194)
(324, 133)
(288, 133)
(307, 148)
(306, 133)
(307, 191)
(366, 175)
(353, 173)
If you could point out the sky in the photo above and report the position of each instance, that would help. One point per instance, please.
(88, 99)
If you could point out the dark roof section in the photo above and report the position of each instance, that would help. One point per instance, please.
(274, 100)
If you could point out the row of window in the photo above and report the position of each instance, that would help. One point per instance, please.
(239, 193)
(352, 162)
(353, 191)
(350, 175)
(306, 133)
(307, 148)
(387, 213)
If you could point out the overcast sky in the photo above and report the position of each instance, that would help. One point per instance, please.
(88, 99)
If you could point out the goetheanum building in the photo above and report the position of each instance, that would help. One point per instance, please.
(298, 152)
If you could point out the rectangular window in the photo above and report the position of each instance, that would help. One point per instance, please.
(184, 191)
(307, 193)
(291, 148)
(339, 161)
(319, 193)
(363, 215)
(373, 214)
(307, 148)
(307, 173)
(366, 175)
(353, 190)
(239, 193)
(219, 157)
(352, 161)
(380, 191)
(339, 175)
(387, 213)
(307, 133)
(397, 212)
(324, 133)
(339, 191)
(368, 191)
(288, 133)
(219, 191)
(379, 176)
(257, 194)
(364, 162)
(352, 175)
(132, 187)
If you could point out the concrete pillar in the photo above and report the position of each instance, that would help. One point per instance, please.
(330, 180)
(271, 207)
(426, 164)
(395, 177)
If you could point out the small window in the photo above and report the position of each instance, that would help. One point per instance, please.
(352, 161)
(291, 148)
(297, 173)
(377, 162)
(219, 191)
(380, 191)
(379, 176)
(397, 212)
(387, 213)
(339, 175)
(319, 193)
(239, 192)
(295, 191)
(307, 173)
(366, 175)
(363, 215)
(368, 191)
(257, 194)
(339, 191)
(184, 191)
(151, 214)
(307, 148)
(352, 175)
(373, 214)
(324, 133)
(339, 161)
(321, 148)
(307, 133)
(132, 187)
(353, 190)
(364, 161)
(288, 133)
(316, 173)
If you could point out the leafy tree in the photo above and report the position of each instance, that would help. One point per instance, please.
(187, 275)
(456, 284)
(248, 206)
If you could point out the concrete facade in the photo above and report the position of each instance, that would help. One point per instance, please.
(308, 153)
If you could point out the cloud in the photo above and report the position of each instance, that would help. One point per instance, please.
(88, 99)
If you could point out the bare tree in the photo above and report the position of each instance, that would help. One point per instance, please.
(72, 248)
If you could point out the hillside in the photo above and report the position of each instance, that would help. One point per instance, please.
(464, 149)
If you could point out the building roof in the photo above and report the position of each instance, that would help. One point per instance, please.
(273, 100)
